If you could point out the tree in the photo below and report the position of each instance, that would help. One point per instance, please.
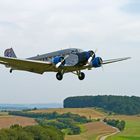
(118, 104)
(37, 132)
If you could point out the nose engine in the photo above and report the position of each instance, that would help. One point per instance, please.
(58, 59)
(97, 62)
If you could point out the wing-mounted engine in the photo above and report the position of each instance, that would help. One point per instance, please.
(96, 62)
(58, 61)
(84, 57)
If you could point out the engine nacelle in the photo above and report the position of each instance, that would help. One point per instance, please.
(97, 62)
(58, 59)
(84, 56)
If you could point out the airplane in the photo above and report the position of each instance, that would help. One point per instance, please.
(63, 61)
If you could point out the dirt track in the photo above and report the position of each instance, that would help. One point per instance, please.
(108, 135)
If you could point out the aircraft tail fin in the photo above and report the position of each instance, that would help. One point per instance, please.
(10, 53)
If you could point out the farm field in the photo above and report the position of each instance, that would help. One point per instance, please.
(92, 131)
(87, 112)
(132, 129)
(7, 121)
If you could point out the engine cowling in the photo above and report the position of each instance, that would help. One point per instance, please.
(58, 59)
(97, 62)
(84, 56)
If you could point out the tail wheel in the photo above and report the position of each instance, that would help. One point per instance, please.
(81, 76)
(59, 76)
(11, 70)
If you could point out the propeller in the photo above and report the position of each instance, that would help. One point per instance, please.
(101, 61)
(61, 62)
(93, 54)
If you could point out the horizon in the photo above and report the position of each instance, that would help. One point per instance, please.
(61, 103)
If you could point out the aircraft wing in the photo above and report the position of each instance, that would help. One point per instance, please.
(43, 66)
(114, 60)
(27, 65)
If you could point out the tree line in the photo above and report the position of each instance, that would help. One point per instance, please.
(117, 104)
(36, 132)
(68, 126)
(67, 122)
(50, 116)
(115, 123)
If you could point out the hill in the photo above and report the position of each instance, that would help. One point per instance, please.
(93, 130)
(87, 112)
(24, 128)
(118, 104)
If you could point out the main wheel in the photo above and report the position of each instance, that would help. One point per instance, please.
(59, 76)
(81, 76)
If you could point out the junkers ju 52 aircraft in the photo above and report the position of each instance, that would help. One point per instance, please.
(64, 61)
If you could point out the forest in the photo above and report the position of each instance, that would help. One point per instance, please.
(117, 104)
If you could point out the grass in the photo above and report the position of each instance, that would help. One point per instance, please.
(132, 129)
(3, 114)
(91, 131)
(82, 128)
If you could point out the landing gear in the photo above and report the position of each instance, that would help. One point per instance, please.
(81, 76)
(11, 70)
(59, 76)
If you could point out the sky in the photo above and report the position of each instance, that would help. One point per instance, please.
(34, 27)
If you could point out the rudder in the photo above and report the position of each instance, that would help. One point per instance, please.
(9, 53)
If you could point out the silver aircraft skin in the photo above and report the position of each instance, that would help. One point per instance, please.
(63, 61)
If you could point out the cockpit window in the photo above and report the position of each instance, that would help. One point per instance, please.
(79, 50)
(74, 51)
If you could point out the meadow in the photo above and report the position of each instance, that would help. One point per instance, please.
(93, 131)
(131, 131)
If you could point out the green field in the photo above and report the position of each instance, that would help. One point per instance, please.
(132, 129)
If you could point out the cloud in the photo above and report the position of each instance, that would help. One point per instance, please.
(61, 22)
(40, 26)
